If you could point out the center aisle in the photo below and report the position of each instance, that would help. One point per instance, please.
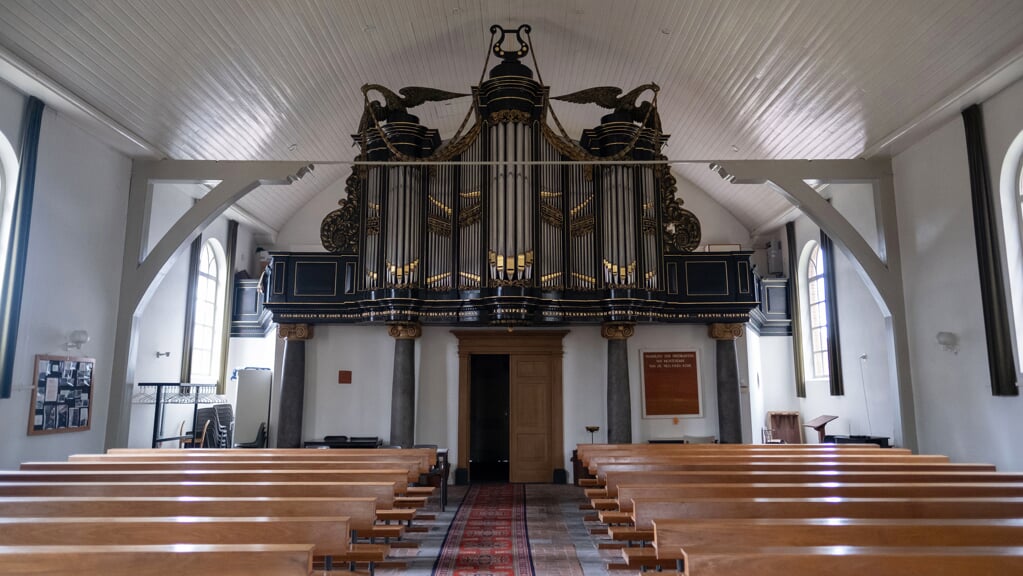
(488, 534)
(505, 530)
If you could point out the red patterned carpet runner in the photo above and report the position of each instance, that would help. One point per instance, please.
(488, 535)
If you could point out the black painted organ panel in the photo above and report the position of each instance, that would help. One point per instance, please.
(510, 221)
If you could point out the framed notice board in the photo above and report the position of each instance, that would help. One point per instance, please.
(671, 383)
(61, 395)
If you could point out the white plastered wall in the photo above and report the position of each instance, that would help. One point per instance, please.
(957, 415)
(71, 279)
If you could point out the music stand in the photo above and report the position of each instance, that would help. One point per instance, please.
(818, 424)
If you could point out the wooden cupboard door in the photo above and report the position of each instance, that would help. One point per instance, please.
(530, 422)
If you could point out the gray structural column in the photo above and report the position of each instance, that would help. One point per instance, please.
(729, 406)
(403, 384)
(289, 421)
(619, 403)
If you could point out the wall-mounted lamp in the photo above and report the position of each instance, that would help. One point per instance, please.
(949, 342)
(162, 354)
(76, 339)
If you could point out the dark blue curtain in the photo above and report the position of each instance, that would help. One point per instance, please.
(1001, 363)
(17, 248)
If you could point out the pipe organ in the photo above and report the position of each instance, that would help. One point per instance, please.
(510, 221)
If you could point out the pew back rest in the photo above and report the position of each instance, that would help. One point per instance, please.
(398, 477)
(671, 536)
(160, 560)
(328, 535)
(361, 512)
(410, 464)
(382, 494)
(758, 477)
(854, 561)
(645, 511)
(626, 492)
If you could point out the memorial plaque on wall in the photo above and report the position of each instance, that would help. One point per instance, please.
(671, 383)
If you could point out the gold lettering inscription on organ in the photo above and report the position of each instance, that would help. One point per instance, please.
(671, 384)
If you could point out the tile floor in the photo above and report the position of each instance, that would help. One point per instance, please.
(560, 541)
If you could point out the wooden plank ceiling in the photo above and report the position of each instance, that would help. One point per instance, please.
(262, 79)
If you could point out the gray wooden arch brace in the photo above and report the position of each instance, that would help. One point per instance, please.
(141, 276)
(880, 271)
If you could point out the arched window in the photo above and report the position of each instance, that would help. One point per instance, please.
(208, 324)
(817, 305)
(1011, 200)
(8, 181)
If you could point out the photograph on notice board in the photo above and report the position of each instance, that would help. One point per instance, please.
(61, 395)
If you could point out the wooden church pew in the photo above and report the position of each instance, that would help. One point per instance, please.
(855, 561)
(159, 560)
(383, 493)
(759, 477)
(328, 535)
(645, 511)
(171, 465)
(626, 492)
(696, 533)
(883, 457)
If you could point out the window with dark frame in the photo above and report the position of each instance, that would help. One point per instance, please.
(818, 312)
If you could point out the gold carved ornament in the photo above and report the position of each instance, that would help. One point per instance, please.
(681, 227)
(295, 331)
(617, 331)
(720, 331)
(339, 231)
(405, 331)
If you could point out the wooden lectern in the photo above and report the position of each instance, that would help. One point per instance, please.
(818, 424)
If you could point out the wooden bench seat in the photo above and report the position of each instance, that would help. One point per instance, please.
(428, 456)
(398, 477)
(855, 561)
(794, 466)
(759, 477)
(882, 457)
(411, 465)
(159, 560)
(328, 535)
(626, 492)
(361, 512)
(383, 493)
(645, 511)
(674, 535)
(587, 451)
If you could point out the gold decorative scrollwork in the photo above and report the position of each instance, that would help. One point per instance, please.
(617, 331)
(506, 116)
(405, 331)
(551, 215)
(681, 227)
(372, 225)
(725, 331)
(582, 226)
(470, 215)
(295, 331)
(439, 226)
(339, 231)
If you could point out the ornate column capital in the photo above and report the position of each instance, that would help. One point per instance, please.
(295, 331)
(617, 331)
(725, 331)
(409, 331)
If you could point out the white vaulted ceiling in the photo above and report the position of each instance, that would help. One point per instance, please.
(260, 79)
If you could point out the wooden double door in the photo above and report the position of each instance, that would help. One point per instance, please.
(535, 435)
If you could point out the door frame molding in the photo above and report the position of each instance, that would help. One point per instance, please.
(513, 343)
